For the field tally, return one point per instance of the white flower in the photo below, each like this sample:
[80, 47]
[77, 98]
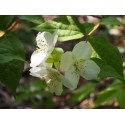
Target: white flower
[53, 78]
[77, 63]
[45, 43]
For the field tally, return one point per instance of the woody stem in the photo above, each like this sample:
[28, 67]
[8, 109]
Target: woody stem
[92, 31]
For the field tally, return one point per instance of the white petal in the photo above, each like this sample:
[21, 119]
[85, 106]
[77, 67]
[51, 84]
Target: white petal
[45, 40]
[33, 72]
[55, 87]
[44, 36]
[57, 77]
[46, 46]
[54, 82]
[39, 36]
[66, 82]
[38, 72]
[53, 74]
[55, 37]
[49, 39]
[72, 75]
[38, 57]
[90, 70]
[82, 51]
[66, 61]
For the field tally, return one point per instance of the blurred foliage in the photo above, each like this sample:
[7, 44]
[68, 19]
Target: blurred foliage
[113, 91]
[82, 92]
[37, 19]
[19, 31]
[35, 92]
[110, 21]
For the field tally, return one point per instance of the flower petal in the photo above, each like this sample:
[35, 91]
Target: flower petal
[55, 37]
[39, 37]
[82, 51]
[55, 87]
[49, 39]
[66, 61]
[46, 45]
[45, 41]
[72, 75]
[66, 82]
[38, 72]
[38, 57]
[90, 70]
[59, 77]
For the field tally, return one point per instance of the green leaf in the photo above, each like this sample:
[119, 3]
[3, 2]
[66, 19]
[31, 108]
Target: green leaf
[67, 29]
[104, 97]
[115, 86]
[108, 53]
[106, 70]
[56, 57]
[49, 60]
[85, 28]
[110, 21]
[37, 19]
[56, 64]
[6, 21]
[11, 61]
[57, 53]
[81, 93]
[121, 98]
[109, 93]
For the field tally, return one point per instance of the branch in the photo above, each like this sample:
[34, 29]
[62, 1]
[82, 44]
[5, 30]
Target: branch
[92, 31]
[2, 33]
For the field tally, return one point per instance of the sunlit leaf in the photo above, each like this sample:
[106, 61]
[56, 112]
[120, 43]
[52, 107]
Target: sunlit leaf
[65, 27]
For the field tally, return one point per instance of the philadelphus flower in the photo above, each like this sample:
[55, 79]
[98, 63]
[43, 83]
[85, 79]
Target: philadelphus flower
[45, 43]
[53, 78]
[77, 63]
[41, 69]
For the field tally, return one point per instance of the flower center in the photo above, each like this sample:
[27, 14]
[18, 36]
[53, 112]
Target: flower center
[42, 46]
[78, 64]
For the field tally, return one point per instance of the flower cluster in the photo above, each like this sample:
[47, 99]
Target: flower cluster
[40, 68]
[74, 64]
